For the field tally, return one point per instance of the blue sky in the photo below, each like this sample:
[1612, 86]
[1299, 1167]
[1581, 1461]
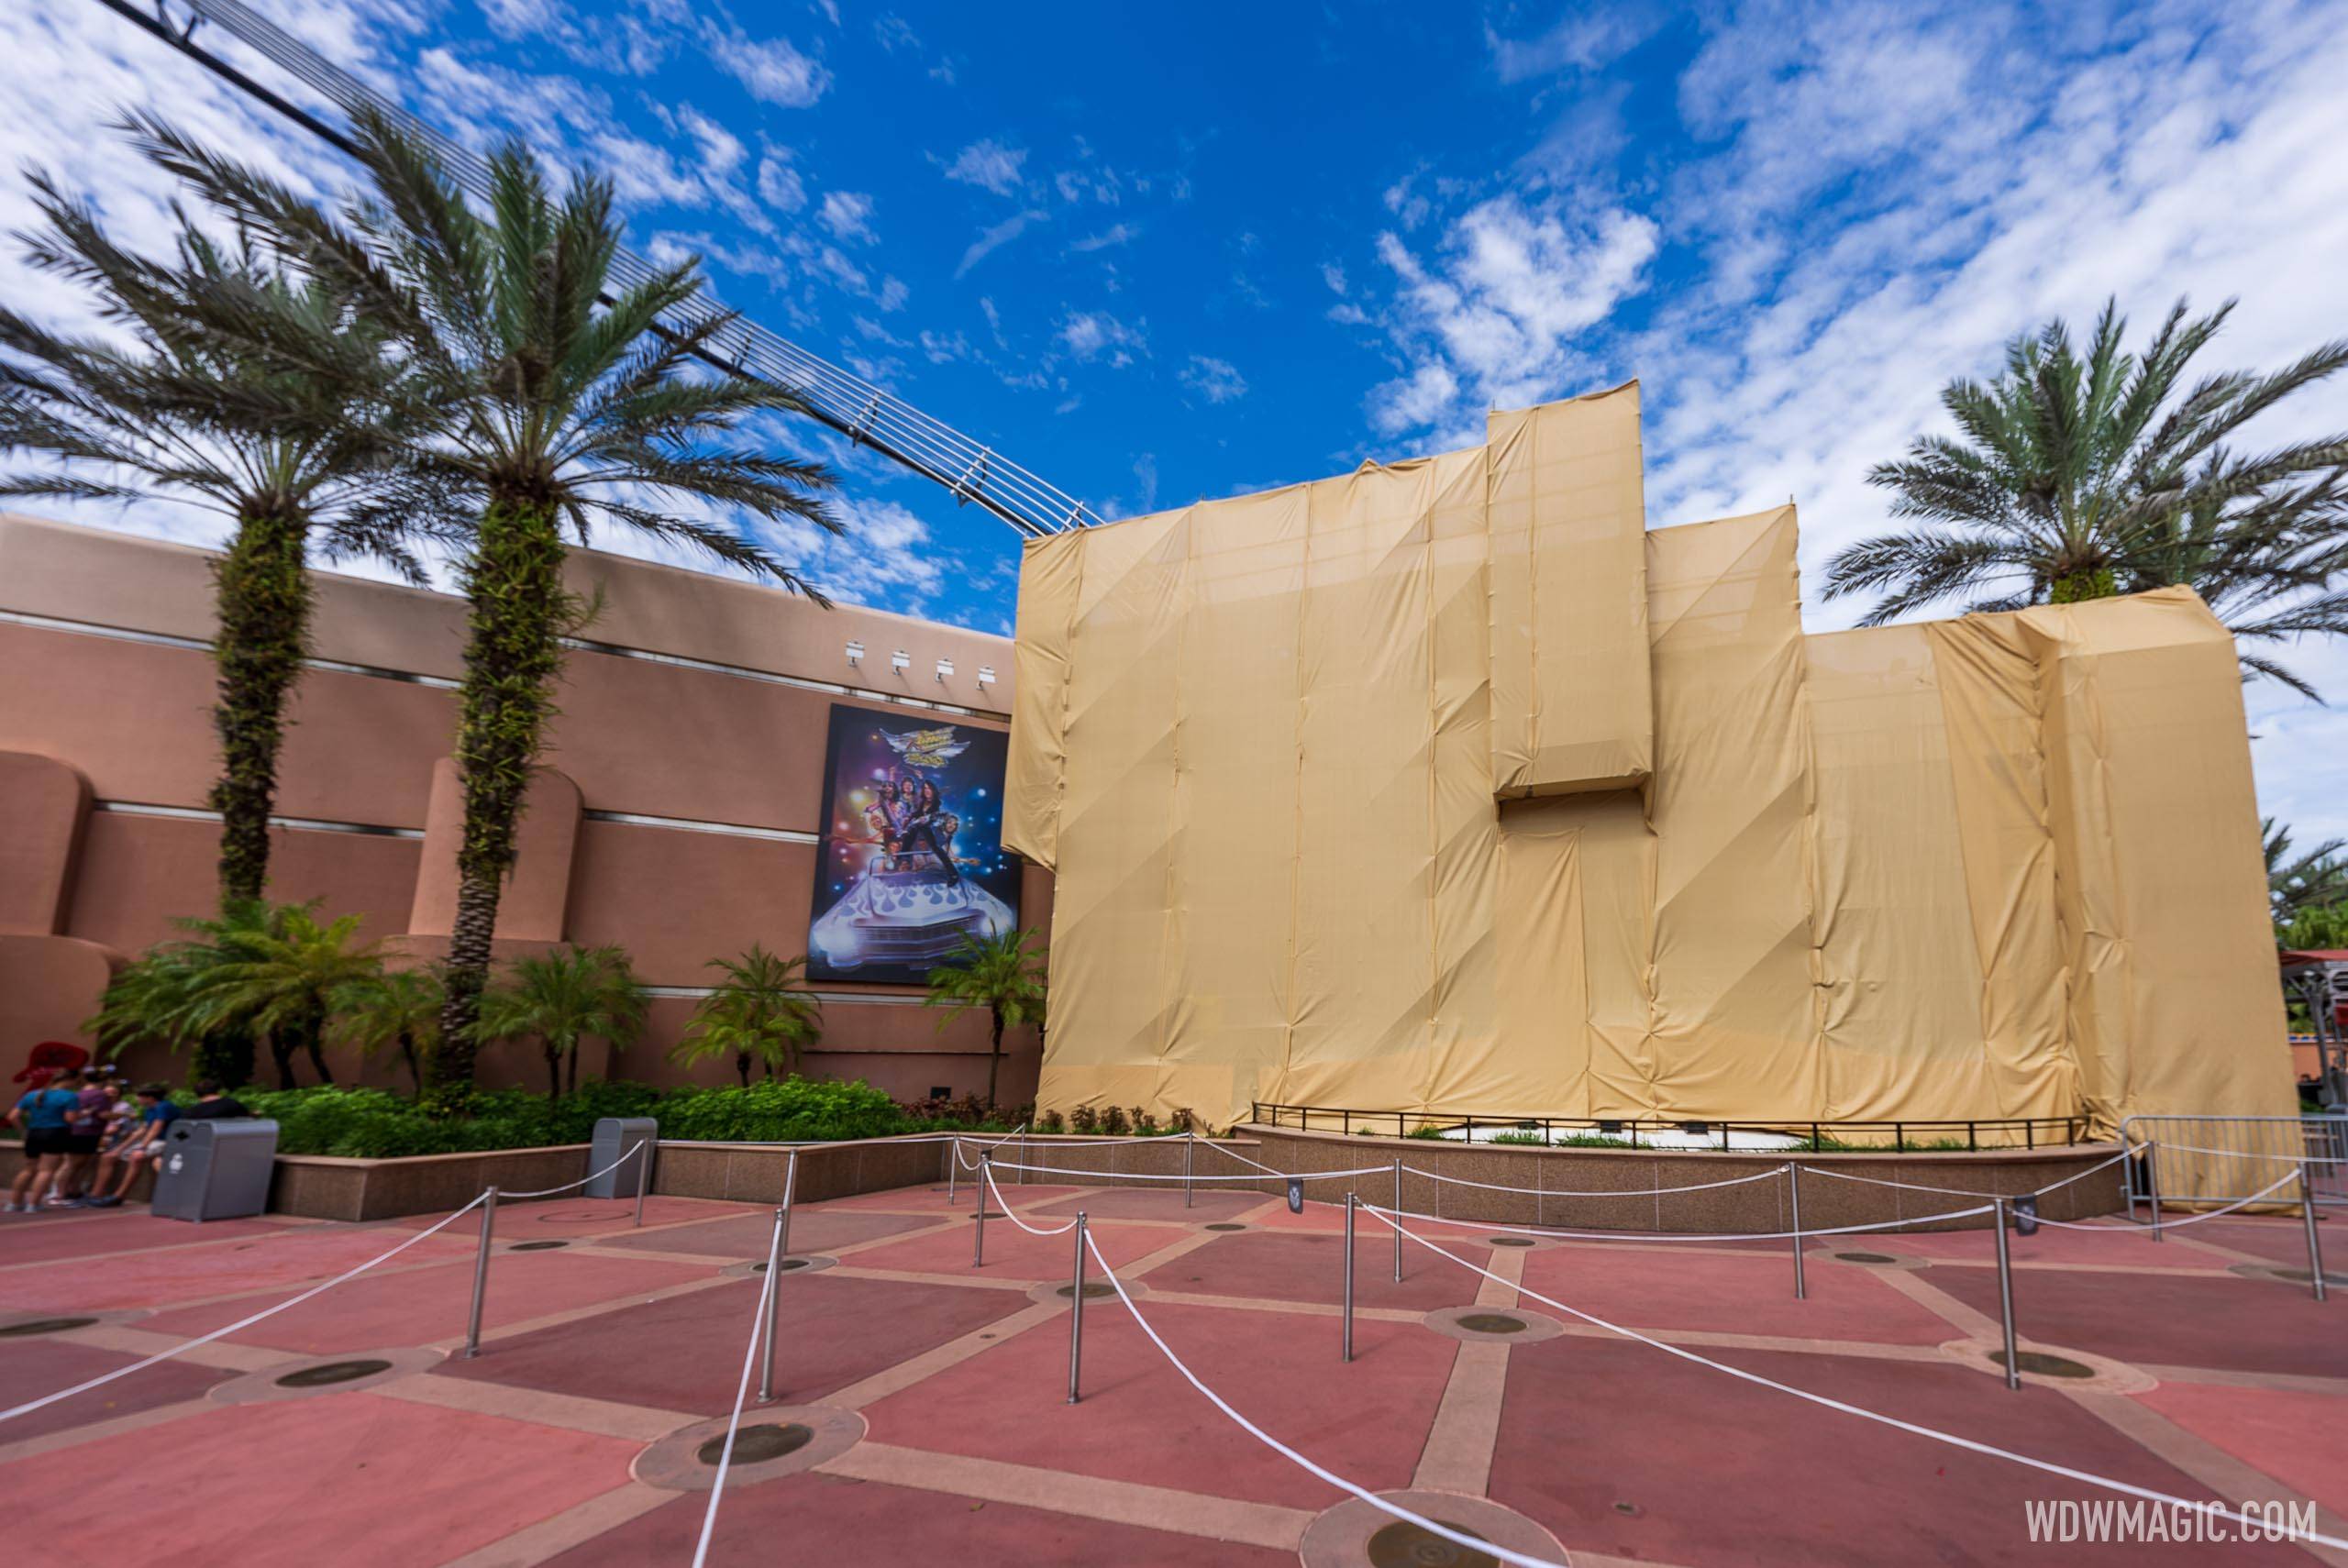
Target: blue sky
[1164, 252]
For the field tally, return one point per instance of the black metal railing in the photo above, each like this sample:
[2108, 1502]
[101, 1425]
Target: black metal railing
[1901, 1135]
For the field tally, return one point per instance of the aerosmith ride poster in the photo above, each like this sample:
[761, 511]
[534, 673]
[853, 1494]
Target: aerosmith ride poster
[912, 860]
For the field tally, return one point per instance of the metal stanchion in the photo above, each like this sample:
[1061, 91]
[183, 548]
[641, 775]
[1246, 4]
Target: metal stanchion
[2315, 1247]
[480, 1274]
[1793, 1190]
[979, 1220]
[2006, 1295]
[643, 1177]
[1190, 1142]
[780, 1251]
[1076, 1315]
[2153, 1183]
[1398, 1214]
[1353, 1203]
[1023, 1163]
[953, 1168]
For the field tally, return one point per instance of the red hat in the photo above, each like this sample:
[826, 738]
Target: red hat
[50, 1057]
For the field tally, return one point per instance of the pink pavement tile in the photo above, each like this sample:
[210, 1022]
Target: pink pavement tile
[816, 1229]
[411, 1308]
[1139, 1420]
[1620, 1449]
[2167, 1319]
[283, 1257]
[2119, 1247]
[829, 1518]
[685, 1353]
[1011, 1252]
[1732, 1293]
[932, 1199]
[32, 1368]
[580, 1218]
[120, 1230]
[2279, 1241]
[1303, 1266]
[2300, 1439]
[357, 1480]
[1164, 1202]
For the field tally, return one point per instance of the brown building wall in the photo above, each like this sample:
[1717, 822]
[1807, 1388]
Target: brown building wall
[94, 631]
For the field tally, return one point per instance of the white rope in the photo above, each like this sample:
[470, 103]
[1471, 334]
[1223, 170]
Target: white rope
[548, 1192]
[749, 1357]
[1671, 1236]
[1962, 1191]
[1771, 1174]
[987, 1175]
[2238, 1153]
[2172, 1224]
[31, 1405]
[1137, 1176]
[1458, 1538]
[1935, 1434]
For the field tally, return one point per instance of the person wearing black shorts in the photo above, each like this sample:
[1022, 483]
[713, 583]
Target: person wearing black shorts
[47, 1114]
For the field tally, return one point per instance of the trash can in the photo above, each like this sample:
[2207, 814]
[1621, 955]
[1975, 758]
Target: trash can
[215, 1170]
[615, 1135]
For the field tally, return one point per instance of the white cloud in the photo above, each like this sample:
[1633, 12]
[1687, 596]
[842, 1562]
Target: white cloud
[994, 238]
[1114, 234]
[1097, 334]
[774, 70]
[848, 214]
[1217, 380]
[779, 183]
[1335, 276]
[989, 165]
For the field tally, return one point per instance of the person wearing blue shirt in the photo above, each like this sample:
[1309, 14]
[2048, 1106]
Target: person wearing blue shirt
[47, 1116]
[155, 1118]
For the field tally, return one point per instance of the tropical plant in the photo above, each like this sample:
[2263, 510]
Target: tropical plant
[758, 1012]
[2076, 476]
[558, 395]
[175, 401]
[2311, 879]
[570, 995]
[998, 974]
[271, 971]
[397, 1010]
[2321, 927]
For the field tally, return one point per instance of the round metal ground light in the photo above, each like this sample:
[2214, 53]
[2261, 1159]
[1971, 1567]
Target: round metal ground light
[809, 1263]
[1357, 1534]
[2286, 1273]
[26, 1327]
[1226, 1225]
[1493, 1325]
[322, 1377]
[1512, 1241]
[2053, 1366]
[2044, 1364]
[536, 1246]
[774, 1442]
[1056, 1293]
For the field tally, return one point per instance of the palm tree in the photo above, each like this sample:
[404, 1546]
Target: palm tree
[999, 974]
[2074, 477]
[557, 396]
[153, 998]
[397, 1010]
[569, 996]
[270, 970]
[2311, 879]
[177, 404]
[759, 1012]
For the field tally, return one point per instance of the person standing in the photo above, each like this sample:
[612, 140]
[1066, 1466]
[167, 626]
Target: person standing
[45, 1113]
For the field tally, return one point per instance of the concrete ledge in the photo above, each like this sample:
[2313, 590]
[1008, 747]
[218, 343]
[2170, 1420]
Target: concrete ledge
[1564, 1180]
[319, 1187]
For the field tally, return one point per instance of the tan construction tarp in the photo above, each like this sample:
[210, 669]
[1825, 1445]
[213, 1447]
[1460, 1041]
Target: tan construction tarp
[1328, 830]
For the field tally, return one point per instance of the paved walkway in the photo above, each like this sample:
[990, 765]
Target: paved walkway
[921, 1412]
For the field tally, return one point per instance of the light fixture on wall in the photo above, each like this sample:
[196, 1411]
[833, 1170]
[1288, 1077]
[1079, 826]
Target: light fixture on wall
[855, 653]
[945, 670]
[900, 660]
[986, 675]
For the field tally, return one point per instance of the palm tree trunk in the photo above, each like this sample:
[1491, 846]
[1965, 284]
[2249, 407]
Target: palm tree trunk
[994, 1060]
[280, 1051]
[742, 1065]
[262, 590]
[415, 1067]
[317, 1059]
[554, 1073]
[513, 654]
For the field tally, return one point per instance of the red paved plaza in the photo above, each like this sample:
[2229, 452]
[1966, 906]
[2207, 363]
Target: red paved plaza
[931, 1394]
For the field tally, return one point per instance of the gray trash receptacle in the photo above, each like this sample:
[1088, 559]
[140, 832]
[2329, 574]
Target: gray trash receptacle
[215, 1170]
[615, 1135]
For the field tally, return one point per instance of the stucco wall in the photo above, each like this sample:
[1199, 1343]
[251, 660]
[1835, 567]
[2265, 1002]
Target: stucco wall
[107, 705]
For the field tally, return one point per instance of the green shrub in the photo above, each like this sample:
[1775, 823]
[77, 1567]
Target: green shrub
[780, 1110]
[1533, 1138]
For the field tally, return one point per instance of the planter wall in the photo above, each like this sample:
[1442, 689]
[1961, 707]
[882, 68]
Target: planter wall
[1628, 1189]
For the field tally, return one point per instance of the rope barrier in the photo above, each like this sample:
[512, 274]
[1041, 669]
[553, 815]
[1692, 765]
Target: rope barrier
[2172, 1224]
[741, 1395]
[1963, 1191]
[1458, 1537]
[1769, 1174]
[986, 1175]
[1953, 1441]
[2167, 1148]
[1138, 1176]
[504, 1197]
[104, 1378]
[1805, 1232]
